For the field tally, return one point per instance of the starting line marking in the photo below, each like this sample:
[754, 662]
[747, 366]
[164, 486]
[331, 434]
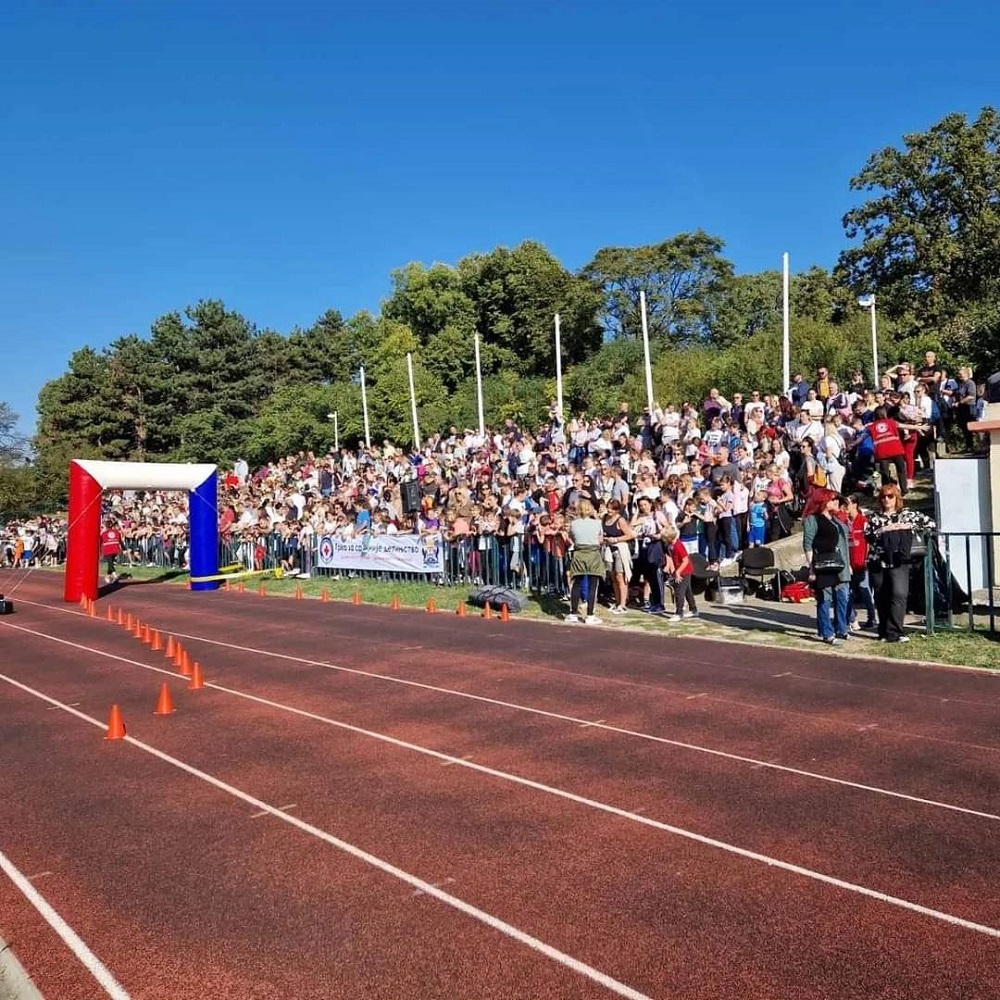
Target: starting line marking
[267, 812]
[69, 937]
[509, 930]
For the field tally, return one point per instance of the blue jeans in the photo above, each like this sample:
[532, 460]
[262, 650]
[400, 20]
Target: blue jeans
[839, 596]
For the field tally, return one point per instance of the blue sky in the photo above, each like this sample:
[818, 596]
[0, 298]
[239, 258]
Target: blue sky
[285, 157]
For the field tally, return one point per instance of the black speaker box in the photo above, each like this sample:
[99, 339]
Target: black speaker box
[410, 493]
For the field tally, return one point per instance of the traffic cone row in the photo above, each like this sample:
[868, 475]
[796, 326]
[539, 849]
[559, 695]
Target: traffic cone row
[394, 604]
[174, 652]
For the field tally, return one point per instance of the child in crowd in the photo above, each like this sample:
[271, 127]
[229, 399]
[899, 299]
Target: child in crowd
[757, 520]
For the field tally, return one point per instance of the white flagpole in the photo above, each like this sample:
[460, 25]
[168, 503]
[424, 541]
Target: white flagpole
[559, 387]
[479, 391]
[364, 408]
[336, 432]
[645, 349]
[875, 384]
[413, 402]
[786, 361]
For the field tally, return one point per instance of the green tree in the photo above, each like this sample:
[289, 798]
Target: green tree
[685, 280]
[516, 294]
[928, 238]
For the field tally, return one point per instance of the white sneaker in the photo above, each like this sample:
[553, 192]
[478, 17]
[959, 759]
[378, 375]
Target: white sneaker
[903, 638]
[727, 562]
[674, 618]
[571, 618]
[617, 611]
[690, 614]
[592, 620]
[855, 626]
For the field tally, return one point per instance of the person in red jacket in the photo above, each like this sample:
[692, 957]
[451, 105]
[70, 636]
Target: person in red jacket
[857, 548]
[111, 547]
[889, 450]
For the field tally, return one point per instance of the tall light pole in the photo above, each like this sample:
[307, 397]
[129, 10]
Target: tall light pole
[364, 408]
[336, 430]
[786, 347]
[645, 351]
[479, 390]
[559, 387]
[868, 302]
[413, 402]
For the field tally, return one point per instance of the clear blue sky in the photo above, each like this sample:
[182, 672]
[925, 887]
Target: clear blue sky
[286, 156]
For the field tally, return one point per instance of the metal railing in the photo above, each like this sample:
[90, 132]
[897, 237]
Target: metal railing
[512, 561]
[960, 581]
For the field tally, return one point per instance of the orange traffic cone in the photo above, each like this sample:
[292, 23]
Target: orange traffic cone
[164, 704]
[109, 615]
[460, 610]
[356, 597]
[184, 667]
[487, 611]
[178, 655]
[226, 587]
[197, 681]
[116, 724]
[84, 601]
[324, 597]
[157, 642]
[137, 630]
[298, 594]
[241, 589]
[130, 621]
[261, 590]
[147, 635]
[121, 617]
[171, 648]
[394, 603]
[431, 606]
[504, 613]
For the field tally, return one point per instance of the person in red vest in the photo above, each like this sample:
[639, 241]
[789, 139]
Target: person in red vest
[111, 547]
[857, 548]
[889, 450]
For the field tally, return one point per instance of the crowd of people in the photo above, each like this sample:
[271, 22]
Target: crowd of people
[705, 480]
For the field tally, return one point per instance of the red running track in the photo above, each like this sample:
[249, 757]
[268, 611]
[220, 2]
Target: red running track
[459, 751]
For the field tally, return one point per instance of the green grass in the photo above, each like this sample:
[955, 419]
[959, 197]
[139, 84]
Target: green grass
[956, 647]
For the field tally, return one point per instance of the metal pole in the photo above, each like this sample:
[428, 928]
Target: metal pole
[645, 349]
[875, 385]
[413, 403]
[479, 390]
[786, 347]
[559, 385]
[364, 408]
[336, 432]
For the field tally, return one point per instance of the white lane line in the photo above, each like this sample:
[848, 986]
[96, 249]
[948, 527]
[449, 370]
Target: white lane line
[618, 730]
[509, 930]
[538, 786]
[70, 938]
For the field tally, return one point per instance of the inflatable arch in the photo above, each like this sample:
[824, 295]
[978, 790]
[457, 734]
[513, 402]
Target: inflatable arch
[88, 481]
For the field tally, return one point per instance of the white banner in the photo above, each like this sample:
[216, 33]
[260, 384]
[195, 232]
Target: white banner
[382, 553]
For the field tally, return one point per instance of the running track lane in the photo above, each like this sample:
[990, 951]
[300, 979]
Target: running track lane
[931, 701]
[750, 927]
[944, 748]
[903, 847]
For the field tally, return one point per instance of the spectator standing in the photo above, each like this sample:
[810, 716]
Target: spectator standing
[965, 410]
[857, 545]
[585, 561]
[890, 535]
[824, 540]
[678, 568]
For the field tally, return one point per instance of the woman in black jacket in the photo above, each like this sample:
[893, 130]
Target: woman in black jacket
[891, 534]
